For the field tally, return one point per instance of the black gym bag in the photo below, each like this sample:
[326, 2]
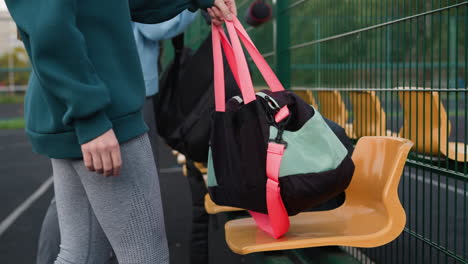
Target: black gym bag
[185, 100]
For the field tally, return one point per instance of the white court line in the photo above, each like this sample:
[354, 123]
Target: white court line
[436, 184]
[5, 224]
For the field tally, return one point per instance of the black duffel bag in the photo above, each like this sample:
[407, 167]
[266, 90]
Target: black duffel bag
[185, 100]
[271, 153]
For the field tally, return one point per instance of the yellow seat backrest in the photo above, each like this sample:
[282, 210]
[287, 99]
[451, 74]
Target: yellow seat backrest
[307, 96]
[424, 118]
[369, 117]
[379, 163]
[333, 107]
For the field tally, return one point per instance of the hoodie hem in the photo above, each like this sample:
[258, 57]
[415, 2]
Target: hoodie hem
[66, 146]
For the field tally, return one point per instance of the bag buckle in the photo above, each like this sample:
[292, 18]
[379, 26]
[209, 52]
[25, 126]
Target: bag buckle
[279, 141]
[272, 103]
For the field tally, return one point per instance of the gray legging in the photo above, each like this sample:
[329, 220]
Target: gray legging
[125, 212]
[49, 240]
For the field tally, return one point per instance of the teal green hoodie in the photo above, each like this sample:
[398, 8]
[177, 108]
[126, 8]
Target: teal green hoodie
[86, 75]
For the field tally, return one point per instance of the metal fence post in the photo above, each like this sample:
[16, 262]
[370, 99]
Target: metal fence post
[318, 50]
[283, 58]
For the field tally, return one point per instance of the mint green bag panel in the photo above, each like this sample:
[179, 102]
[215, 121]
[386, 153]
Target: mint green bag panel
[324, 150]
[212, 182]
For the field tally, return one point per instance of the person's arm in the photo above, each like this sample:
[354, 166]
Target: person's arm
[61, 63]
[168, 29]
[157, 11]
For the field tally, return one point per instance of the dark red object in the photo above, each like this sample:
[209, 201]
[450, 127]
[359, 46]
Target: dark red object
[258, 13]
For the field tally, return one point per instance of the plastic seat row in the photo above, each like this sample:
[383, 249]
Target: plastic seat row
[426, 122]
[371, 216]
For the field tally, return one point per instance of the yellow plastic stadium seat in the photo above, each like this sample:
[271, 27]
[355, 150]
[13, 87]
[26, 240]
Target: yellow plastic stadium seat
[181, 159]
[424, 131]
[371, 216]
[212, 208]
[369, 117]
[307, 96]
[201, 167]
[333, 108]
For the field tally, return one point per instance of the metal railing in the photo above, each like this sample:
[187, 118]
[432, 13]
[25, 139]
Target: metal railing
[387, 67]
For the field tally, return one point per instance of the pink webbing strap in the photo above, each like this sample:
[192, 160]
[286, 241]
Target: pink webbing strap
[218, 69]
[282, 114]
[266, 71]
[276, 222]
[232, 56]
[238, 64]
[246, 84]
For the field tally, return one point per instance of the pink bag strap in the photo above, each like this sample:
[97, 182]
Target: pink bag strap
[236, 59]
[238, 64]
[218, 70]
[230, 55]
[270, 77]
[246, 84]
[276, 222]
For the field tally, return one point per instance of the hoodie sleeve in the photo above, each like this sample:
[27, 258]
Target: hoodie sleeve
[168, 29]
[203, 4]
[60, 61]
[157, 11]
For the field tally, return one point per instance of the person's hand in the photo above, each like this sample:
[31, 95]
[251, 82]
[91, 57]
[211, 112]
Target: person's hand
[222, 10]
[102, 154]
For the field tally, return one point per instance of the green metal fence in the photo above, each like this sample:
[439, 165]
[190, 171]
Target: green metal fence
[387, 67]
